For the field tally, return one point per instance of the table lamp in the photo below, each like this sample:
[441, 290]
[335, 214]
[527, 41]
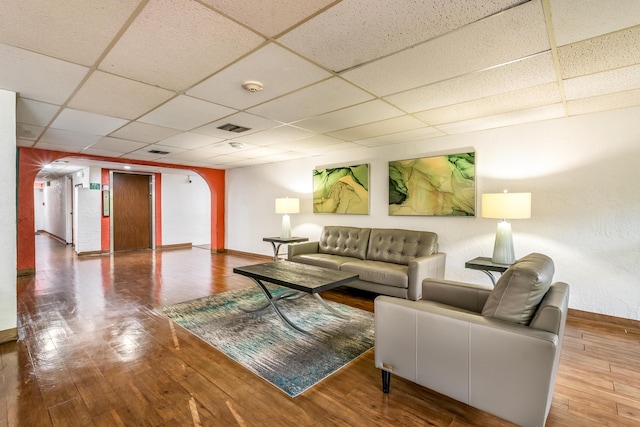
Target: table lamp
[287, 206]
[505, 206]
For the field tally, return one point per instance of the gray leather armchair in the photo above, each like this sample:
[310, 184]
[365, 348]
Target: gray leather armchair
[496, 349]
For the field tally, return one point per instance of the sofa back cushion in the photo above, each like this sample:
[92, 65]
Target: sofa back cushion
[344, 241]
[400, 246]
[520, 289]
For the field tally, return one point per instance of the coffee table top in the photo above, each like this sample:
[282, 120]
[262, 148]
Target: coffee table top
[301, 277]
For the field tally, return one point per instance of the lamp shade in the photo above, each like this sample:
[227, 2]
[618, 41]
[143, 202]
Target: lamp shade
[287, 205]
[506, 205]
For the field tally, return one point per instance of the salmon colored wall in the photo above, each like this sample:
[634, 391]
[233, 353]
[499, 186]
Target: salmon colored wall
[158, 209]
[105, 224]
[32, 160]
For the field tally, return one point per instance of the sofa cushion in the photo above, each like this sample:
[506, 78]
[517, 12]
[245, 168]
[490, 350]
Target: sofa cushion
[518, 292]
[383, 273]
[400, 246]
[344, 241]
[322, 260]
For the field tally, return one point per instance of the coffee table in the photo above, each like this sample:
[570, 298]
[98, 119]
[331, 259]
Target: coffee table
[302, 279]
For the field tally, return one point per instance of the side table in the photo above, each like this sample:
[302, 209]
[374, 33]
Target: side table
[276, 242]
[486, 265]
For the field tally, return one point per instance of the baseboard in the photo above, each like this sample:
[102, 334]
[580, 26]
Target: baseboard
[175, 246]
[605, 318]
[248, 254]
[58, 238]
[92, 253]
[8, 335]
[26, 272]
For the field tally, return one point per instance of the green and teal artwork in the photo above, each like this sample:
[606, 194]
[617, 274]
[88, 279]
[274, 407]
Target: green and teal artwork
[435, 186]
[341, 190]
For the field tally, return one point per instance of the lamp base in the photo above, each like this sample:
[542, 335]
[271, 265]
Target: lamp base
[285, 232]
[503, 252]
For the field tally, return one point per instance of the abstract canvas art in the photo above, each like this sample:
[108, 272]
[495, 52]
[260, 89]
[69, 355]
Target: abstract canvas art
[436, 186]
[341, 190]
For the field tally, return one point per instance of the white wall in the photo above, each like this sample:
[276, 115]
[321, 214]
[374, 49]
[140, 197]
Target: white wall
[38, 199]
[186, 210]
[583, 173]
[8, 271]
[55, 207]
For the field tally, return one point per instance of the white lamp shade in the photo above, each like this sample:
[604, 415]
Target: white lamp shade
[287, 205]
[506, 205]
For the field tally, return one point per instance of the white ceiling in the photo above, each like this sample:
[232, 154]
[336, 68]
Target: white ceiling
[120, 78]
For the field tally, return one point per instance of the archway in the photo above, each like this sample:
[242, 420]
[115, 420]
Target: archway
[32, 160]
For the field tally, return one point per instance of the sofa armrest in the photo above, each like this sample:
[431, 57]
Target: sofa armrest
[302, 248]
[466, 296]
[422, 268]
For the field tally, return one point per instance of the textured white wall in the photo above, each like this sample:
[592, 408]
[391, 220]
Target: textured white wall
[582, 173]
[8, 295]
[186, 210]
[87, 215]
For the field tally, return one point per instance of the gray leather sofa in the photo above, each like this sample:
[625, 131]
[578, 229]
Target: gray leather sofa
[496, 349]
[388, 261]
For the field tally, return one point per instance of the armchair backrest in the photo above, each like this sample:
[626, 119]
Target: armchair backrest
[520, 289]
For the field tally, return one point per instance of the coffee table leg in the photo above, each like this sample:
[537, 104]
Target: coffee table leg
[329, 308]
[272, 302]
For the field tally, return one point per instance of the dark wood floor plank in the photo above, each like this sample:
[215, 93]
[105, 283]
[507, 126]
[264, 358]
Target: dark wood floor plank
[92, 351]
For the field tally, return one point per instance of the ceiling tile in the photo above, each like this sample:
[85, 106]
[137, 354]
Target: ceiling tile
[357, 31]
[356, 115]
[508, 119]
[34, 112]
[383, 127]
[189, 140]
[23, 143]
[533, 71]
[272, 17]
[575, 20]
[38, 77]
[307, 145]
[279, 70]
[176, 43]
[84, 122]
[28, 132]
[511, 101]
[65, 137]
[69, 148]
[74, 30]
[604, 102]
[496, 40]
[600, 54]
[225, 148]
[117, 145]
[327, 96]
[144, 132]
[145, 154]
[603, 83]
[98, 152]
[401, 137]
[254, 123]
[118, 97]
[186, 113]
[275, 135]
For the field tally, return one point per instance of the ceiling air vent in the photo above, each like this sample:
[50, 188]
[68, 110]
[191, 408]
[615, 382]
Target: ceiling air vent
[158, 152]
[233, 128]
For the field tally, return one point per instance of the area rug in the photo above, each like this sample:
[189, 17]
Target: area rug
[263, 343]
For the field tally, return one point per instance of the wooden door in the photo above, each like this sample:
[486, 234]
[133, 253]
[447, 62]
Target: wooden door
[131, 211]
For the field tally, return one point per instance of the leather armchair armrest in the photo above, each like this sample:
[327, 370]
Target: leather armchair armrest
[302, 248]
[466, 296]
[420, 268]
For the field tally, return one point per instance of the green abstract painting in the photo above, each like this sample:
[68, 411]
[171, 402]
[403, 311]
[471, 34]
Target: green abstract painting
[437, 186]
[341, 190]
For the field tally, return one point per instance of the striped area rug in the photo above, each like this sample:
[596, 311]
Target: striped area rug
[263, 343]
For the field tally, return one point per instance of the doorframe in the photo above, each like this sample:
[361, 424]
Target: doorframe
[152, 210]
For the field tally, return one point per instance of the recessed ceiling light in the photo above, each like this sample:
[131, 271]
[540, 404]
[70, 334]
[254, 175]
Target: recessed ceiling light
[127, 167]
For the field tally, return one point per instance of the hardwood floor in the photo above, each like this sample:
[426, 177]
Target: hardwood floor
[93, 352]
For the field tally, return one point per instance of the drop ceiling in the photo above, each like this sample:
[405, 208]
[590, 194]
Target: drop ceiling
[124, 78]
